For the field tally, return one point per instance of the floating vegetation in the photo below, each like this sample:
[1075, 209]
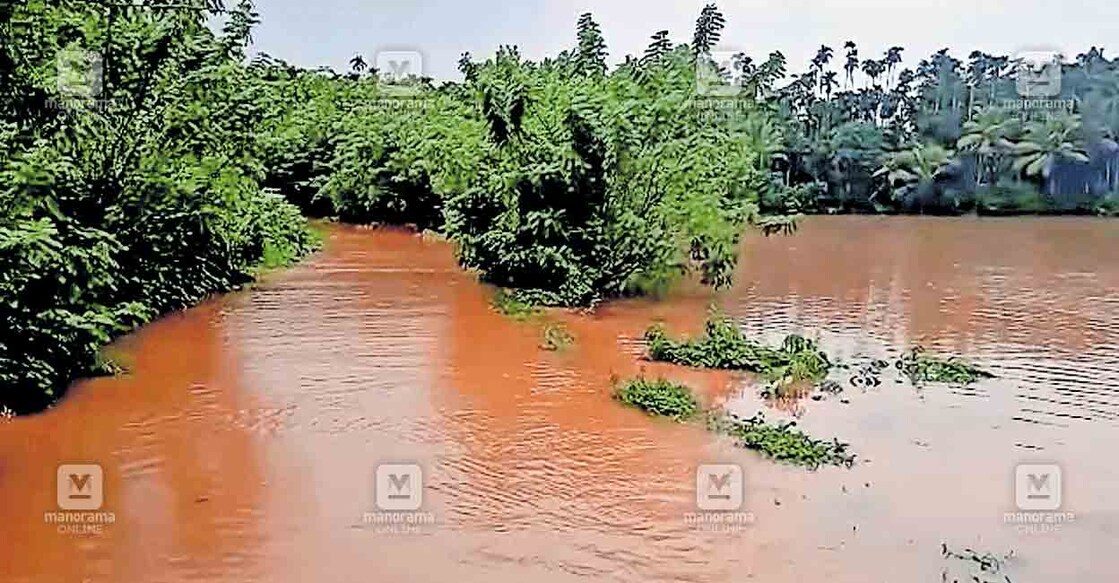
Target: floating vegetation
[984, 568]
[782, 442]
[869, 374]
[922, 368]
[724, 346]
[659, 397]
[510, 304]
[556, 337]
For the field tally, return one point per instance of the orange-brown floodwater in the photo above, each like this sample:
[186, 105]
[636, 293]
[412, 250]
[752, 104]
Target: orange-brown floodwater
[243, 444]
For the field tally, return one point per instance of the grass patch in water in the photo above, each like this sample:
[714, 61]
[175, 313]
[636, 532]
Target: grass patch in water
[724, 346]
[782, 442]
[922, 368]
[659, 397]
[556, 338]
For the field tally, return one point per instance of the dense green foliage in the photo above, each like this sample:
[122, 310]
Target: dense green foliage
[561, 180]
[948, 136]
[143, 161]
[659, 397]
[724, 346]
[124, 194]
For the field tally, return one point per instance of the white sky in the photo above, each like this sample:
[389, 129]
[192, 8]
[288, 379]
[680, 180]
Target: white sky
[329, 32]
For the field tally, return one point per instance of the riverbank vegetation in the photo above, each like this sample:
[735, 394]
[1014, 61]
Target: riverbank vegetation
[992, 134]
[125, 195]
[146, 162]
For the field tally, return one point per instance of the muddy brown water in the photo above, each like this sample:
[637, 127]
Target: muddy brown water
[243, 445]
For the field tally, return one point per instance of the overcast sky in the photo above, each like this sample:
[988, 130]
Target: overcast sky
[311, 33]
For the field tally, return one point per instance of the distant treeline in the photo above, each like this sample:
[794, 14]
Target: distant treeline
[995, 134]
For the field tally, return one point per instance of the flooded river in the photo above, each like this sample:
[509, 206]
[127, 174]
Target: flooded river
[244, 444]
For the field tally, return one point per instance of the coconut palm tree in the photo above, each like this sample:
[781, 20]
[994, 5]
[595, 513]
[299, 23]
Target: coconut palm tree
[986, 136]
[1046, 144]
[873, 69]
[911, 174]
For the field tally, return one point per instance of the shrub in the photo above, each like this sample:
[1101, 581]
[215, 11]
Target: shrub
[116, 212]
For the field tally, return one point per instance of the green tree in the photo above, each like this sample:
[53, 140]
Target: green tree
[591, 56]
[911, 174]
[1044, 145]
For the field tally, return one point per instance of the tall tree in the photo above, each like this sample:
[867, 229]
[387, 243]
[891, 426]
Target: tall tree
[852, 63]
[591, 57]
[659, 47]
[708, 30]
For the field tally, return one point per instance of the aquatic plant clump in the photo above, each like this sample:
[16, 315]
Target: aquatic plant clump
[659, 397]
[782, 442]
[983, 567]
[724, 346]
[922, 368]
[556, 338]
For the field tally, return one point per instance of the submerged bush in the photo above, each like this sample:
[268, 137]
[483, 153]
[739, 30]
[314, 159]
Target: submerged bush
[724, 346]
[659, 397]
[560, 179]
[922, 368]
[556, 337]
[782, 442]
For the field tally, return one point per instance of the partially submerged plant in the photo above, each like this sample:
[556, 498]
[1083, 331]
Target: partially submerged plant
[922, 368]
[782, 442]
[989, 565]
[512, 305]
[724, 346]
[659, 397]
[556, 337]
